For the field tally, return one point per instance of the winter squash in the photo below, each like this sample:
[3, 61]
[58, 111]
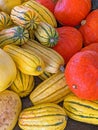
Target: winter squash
[70, 41]
[89, 28]
[71, 12]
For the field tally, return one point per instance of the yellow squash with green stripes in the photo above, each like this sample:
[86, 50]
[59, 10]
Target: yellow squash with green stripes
[26, 61]
[45, 75]
[54, 89]
[53, 60]
[23, 84]
[44, 14]
[46, 34]
[5, 21]
[16, 35]
[81, 110]
[48, 116]
[25, 17]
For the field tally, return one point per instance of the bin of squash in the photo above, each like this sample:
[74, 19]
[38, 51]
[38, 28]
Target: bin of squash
[41, 43]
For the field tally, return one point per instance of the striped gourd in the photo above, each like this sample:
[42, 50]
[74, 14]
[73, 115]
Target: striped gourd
[54, 89]
[26, 61]
[46, 34]
[44, 14]
[5, 21]
[25, 17]
[45, 75]
[48, 116]
[53, 60]
[23, 84]
[15, 35]
[81, 110]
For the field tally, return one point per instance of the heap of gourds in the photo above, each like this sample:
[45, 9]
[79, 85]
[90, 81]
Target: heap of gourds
[36, 41]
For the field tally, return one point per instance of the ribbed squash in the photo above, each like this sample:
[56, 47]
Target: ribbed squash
[5, 21]
[48, 116]
[25, 17]
[26, 61]
[53, 89]
[53, 60]
[81, 110]
[23, 84]
[45, 75]
[7, 70]
[44, 14]
[46, 34]
[15, 35]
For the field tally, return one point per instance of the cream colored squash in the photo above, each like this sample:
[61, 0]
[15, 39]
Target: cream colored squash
[7, 70]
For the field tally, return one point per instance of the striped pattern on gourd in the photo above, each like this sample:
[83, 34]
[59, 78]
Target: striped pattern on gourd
[25, 17]
[26, 61]
[81, 110]
[16, 35]
[53, 60]
[44, 14]
[48, 116]
[45, 75]
[46, 34]
[5, 21]
[23, 84]
[53, 89]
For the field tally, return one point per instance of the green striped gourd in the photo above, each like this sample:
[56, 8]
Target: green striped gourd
[44, 14]
[53, 89]
[5, 21]
[25, 17]
[23, 84]
[46, 34]
[53, 60]
[48, 116]
[81, 110]
[26, 61]
[45, 75]
[15, 35]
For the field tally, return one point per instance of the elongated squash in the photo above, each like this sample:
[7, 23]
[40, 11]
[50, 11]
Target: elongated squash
[7, 70]
[44, 14]
[16, 35]
[48, 116]
[46, 34]
[5, 21]
[26, 61]
[25, 17]
[81, 110]
[53, 89]
[23, 84]
[53, 60]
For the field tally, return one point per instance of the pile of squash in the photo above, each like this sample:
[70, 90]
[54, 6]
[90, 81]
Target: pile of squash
[37, 40]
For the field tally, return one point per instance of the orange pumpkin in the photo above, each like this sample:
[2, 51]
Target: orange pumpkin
[89, 28]
[69, 42]
[71, 12]
[81, 75]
